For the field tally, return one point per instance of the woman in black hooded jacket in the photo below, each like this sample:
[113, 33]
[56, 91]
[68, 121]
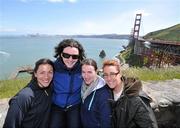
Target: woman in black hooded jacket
[30, 107]
[130, 106]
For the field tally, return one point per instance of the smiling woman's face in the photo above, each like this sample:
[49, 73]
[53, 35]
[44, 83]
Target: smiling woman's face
[44, 75]
[88, 73]
[112, 76]
[70, 61]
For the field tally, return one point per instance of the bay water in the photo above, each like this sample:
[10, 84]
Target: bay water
[25, 50]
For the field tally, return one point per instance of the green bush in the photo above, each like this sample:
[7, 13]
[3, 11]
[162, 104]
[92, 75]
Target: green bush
[146, 74]
[9, 88]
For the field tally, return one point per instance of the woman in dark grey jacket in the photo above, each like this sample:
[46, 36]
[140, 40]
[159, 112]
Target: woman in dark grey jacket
[30, 107]
[130, 107]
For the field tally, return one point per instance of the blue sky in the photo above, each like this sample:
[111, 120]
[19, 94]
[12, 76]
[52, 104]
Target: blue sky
[70, 17]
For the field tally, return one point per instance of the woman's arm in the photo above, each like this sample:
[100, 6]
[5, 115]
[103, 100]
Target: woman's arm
[144, 116]
[105, 110]
[14, 115]
[18, 106]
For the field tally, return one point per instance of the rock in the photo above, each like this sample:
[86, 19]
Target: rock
[102, 54]
[166, 101]
[3, 110]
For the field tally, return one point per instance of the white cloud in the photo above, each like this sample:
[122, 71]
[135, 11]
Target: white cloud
[23, 0]
[120, 24]
[143, 12]
[60, 1]
[89, 25]
[72, 1]
[54, 1]
[26, 1]
[7, 29]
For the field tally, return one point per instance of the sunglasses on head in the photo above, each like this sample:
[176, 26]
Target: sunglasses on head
[67, 56]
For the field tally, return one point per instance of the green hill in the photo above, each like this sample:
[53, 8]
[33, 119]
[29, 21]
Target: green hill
[168, 34]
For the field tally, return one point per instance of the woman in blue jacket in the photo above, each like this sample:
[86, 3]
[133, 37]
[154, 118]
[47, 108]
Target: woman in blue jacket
[95, 108]
[67, 85]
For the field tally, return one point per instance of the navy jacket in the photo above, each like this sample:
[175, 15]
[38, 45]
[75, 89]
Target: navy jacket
[96, 109]
[67, 84]
[29, 108]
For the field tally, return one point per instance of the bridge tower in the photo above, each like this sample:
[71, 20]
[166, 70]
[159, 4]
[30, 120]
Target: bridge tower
[135, 34]
[137, 24]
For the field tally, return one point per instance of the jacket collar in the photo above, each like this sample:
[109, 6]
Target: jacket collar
[34, 85]
[132, 86]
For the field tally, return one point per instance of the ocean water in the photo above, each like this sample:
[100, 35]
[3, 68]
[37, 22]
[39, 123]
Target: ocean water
[20, 51]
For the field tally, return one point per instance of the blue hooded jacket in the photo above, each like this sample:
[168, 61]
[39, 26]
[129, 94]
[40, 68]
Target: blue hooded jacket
[96, 109]
[67, 84]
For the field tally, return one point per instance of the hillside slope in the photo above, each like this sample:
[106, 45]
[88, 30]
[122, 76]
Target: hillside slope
[168, 34]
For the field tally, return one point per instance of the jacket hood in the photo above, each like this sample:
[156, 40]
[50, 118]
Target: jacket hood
[97, 84]
[132, 86]
[100, 84]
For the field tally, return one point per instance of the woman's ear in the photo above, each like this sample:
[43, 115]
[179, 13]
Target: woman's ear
[35, 75]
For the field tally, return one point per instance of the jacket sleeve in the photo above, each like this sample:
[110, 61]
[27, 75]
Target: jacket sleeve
[144, 116]
[105, 111]
[18, 106]
[14, 115]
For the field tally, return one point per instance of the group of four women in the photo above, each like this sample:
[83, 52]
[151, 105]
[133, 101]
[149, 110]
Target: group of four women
[68, 93]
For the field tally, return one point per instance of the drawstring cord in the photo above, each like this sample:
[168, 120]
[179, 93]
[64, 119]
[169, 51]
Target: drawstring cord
[90, 104]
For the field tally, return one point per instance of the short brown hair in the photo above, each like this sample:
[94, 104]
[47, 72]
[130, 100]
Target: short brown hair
[90, 62]
[112, 63]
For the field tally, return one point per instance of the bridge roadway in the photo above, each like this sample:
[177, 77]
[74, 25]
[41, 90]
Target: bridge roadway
[172, 47]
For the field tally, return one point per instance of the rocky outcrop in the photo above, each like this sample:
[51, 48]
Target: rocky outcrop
[3, 110]
[166, 101]
[102, 54]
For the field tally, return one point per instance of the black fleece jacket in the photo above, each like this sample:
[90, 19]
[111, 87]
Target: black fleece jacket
[29, 108]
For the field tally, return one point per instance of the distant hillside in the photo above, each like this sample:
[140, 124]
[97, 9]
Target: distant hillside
[107, 36]
[168, 34]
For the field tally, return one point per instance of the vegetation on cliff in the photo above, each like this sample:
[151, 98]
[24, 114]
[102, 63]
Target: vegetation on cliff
[9, 88]
[168, 34]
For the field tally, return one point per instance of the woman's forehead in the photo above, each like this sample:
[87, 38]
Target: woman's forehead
[71, 50]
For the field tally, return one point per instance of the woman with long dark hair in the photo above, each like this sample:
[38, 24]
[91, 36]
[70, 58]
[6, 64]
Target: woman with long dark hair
[67, 85]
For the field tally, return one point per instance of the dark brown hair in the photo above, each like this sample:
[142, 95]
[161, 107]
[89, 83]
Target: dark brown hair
[40, 62]
[69, 43]
[91, 62]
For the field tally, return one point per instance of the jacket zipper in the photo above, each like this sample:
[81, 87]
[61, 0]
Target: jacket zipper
[46, 92]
